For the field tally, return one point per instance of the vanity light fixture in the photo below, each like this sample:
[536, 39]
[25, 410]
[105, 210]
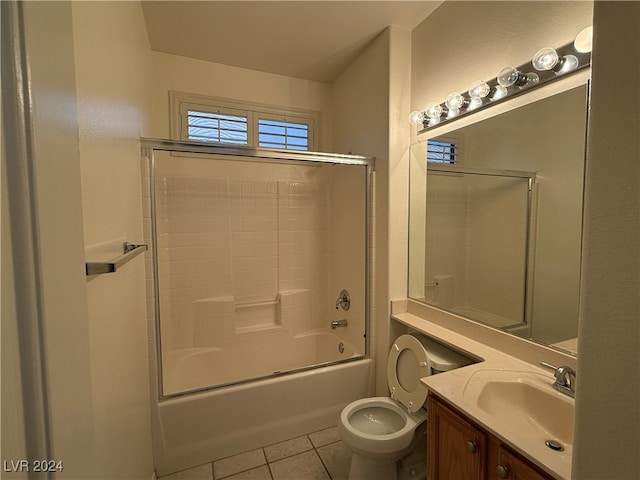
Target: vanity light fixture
[511, 81]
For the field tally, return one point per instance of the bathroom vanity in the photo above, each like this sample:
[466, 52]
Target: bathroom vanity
[499, 417]
[459, 448]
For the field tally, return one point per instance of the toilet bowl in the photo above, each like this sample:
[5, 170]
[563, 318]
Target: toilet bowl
[380, 431]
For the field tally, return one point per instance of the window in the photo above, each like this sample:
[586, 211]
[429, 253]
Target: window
[287, 135]
[210, 119]
[439, 151]
[216, 127]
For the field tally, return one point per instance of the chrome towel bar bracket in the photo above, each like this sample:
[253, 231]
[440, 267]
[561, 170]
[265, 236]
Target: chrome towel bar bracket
[130, 251]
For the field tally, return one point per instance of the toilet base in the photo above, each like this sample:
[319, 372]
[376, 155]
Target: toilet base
[363, 468]
[412, 467]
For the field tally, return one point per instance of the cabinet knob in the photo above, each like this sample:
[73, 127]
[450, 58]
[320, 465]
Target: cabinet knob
[471, 447]
[502, 471]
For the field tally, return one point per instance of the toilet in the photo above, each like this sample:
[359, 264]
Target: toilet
[381, 431]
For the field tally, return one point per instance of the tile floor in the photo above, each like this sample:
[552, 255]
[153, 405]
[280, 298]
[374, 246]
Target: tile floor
[316, 456]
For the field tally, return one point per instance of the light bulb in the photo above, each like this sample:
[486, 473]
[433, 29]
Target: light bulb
[545, 59]
[511, 76]
[479, 90]
[454, 101]
[434, 110]
[416, 118]
[508, 76]
[584, 40]
[569, 62]
[474, 103]
[499, 93]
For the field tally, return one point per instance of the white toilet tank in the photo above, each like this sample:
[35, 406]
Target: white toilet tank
[441, 358]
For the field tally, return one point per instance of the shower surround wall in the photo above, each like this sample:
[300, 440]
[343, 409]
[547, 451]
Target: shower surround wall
[222, 268]
[249, 254]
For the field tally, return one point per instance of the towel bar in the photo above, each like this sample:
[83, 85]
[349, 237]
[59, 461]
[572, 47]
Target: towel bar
[130, 250]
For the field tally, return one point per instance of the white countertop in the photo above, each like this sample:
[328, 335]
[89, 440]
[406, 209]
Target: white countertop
[450, 387]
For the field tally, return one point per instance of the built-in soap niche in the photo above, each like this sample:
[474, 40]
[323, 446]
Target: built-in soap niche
[223, 320]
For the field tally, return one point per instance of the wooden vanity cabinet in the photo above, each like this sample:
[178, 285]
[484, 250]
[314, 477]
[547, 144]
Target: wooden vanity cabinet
[458, 449]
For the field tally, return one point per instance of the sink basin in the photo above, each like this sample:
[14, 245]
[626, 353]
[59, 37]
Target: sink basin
[524, 402]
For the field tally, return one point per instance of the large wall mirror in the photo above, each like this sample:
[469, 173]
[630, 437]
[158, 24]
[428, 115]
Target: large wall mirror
[496, 219]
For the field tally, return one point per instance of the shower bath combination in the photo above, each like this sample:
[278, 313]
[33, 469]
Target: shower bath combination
[247, 246]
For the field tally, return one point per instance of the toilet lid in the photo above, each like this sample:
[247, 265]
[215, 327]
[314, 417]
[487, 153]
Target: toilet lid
[407, 364]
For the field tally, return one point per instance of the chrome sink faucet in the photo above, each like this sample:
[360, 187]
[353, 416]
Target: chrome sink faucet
[565, 379]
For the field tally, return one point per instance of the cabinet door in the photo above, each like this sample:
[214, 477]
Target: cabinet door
[456, 448]
[513, 467]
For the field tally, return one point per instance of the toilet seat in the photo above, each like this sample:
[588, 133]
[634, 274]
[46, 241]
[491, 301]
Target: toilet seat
[408, 362]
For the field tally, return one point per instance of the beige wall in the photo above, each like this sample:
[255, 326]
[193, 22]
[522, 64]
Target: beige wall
[370, 104]
[608, 391]
[182, 74]
[57, 221]
[86, 122]
[112, 77]
[58, 224]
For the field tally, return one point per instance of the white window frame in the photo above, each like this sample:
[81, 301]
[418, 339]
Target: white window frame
[180, 103]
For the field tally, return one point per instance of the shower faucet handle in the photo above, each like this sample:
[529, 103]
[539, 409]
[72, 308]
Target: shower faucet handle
[343, 300]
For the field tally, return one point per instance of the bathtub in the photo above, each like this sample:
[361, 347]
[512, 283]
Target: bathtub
[250, 357]
[201, 427]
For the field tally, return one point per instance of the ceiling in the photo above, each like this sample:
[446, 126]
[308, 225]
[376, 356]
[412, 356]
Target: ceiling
[314, 40]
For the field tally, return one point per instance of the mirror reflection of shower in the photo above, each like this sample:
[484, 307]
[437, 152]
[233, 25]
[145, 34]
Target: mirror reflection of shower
[474, 272]
[248, 254]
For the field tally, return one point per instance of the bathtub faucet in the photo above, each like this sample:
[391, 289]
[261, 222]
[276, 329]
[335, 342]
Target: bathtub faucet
[339, 323]
[343, 300]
